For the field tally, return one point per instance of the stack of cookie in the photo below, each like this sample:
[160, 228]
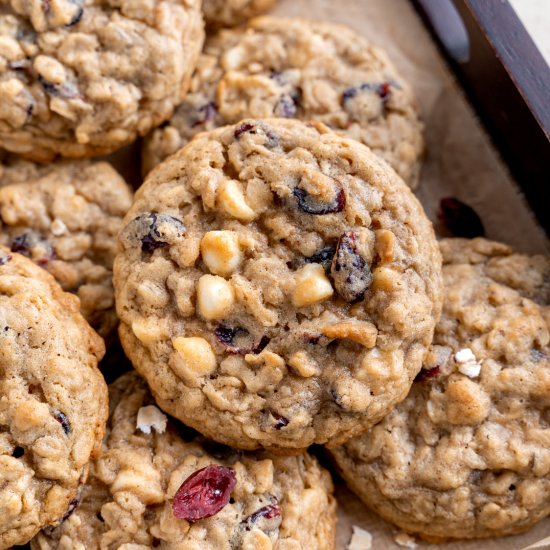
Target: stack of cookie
[275, 283]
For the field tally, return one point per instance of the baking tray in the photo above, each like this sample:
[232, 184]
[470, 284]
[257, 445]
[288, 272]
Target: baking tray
[506, 79]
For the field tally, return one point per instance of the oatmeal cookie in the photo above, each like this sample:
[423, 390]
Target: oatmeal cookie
[277, 285]
[53, 400]
[228, 13]
[65, 217]
[467, 454]
[86, 77]
[157, 485]
[293, 68]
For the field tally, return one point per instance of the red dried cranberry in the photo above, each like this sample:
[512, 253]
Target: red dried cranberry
[242, 129]
[153, 231]
[460, 219]
[323, 257]
[238, 340]
[207, 113]
[66, 90]
[204, 493]
[77, 17]
[280, 421]
[427, 374]
[271, 139]
[383, 90]
[73, 505]
[311, 206]
[267, 512]
[351, 273]
[26, 243]
[287, 106]
[63, 420]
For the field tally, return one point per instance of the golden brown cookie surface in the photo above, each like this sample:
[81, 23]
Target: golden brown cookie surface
[294, 68]
[53, 404]
[133, 492]
[277, 285]
[466, 454]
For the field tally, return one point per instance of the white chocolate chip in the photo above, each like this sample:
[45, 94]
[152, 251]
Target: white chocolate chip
[148, 331]
[233, 58]
[312, 286]
[470, 369]
[58, 228]
[467, 363]
[360, 539]
[220, 252]
[151, 417]
[197, 355]
[232, 201]
[465, 355]
[405, 540]
[215, 297]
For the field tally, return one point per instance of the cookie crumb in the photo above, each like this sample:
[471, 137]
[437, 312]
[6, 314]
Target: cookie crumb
[467, 363]
[405, 540]
[151, 417]
[360, 539]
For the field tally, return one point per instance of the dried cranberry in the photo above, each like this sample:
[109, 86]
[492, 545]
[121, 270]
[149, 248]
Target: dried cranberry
[207, 113]
[323, 257]
[280, 421]
[227, 335]
[351, 273]
[383, 90]
[427, 374]
[460, 219]
[153, 231]
[73, 505]
[243, 128]
[77, 17]
[287, 106]
[311, 206]
[30, 245]
[4, 259]
[267, 512]
[271, 139]
[63, 420]
[537, 356]
[65, 90]
[204, 493]
[238, 340]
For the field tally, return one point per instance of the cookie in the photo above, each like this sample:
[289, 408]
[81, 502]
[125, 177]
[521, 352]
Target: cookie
[53, 404]
[277, 285]
[293, 68]
[228, 13]
[157, 486]
[66, 217]
[467, 453]
[82, 78]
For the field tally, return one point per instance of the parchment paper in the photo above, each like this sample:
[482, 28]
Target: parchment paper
[460, 162]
